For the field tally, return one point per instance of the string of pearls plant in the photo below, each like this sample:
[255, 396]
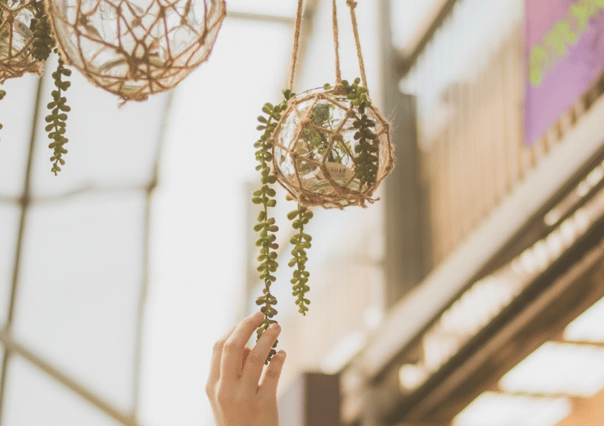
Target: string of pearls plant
[39, 36]
[366, 163]
[44, 43]
[266, 226]
[58, 116]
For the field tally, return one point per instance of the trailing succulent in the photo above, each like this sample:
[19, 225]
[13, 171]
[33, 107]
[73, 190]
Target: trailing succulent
[301, 241]
[365, 169]
[58, 116]
[366, 161]
[43, 45]
[266, 226]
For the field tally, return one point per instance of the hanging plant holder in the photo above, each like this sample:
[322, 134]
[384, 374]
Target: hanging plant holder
[330, 152]
[17, 39]
[331, 147]
[134, 48]
[327, 147]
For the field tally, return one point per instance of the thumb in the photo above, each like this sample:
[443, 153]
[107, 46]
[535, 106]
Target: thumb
[271, 376]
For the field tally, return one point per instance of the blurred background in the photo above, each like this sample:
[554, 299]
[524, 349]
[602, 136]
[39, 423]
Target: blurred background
[470, 295]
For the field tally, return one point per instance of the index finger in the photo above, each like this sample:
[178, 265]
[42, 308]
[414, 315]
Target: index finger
[233, 348]
[216, 356]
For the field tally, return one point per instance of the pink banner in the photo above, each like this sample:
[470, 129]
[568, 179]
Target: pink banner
[565, 56]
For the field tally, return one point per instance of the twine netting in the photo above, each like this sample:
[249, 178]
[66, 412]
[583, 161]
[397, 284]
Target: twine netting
[16, 39]
[314, 150]
[315, 143]
[134, 48]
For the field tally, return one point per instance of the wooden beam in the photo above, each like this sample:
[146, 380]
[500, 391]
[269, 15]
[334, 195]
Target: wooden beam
[287, 20]
[404, 209]
[579, 342]
[426, 30]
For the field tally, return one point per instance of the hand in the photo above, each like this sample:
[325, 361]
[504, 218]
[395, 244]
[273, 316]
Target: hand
[235, 395]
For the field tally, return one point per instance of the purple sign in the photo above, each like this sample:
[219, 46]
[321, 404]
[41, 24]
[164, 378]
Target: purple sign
[565, 56]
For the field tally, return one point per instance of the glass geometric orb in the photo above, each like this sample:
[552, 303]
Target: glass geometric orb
[314, 154]
[16, 39]
[134, 48]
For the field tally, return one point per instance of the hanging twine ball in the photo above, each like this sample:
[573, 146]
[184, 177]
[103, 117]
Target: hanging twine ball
[332, 148]
[17, 39]
[134, 48]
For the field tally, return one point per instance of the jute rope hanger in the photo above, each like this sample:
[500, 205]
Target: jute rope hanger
[352, 5]
[315, 178]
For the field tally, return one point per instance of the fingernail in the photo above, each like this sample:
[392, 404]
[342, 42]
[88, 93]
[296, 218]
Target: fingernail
[258, 315]
[274, 326]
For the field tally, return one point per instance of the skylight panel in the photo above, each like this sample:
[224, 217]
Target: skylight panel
[494, 409]
[80, 282]
[34, 398]
[589, 326]
[558, 368]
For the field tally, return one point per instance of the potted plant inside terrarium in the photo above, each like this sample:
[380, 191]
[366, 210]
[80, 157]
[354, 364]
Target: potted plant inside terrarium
[331, 147]
[17, 21]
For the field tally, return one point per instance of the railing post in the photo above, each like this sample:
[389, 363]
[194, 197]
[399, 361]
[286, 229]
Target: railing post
[406, 220]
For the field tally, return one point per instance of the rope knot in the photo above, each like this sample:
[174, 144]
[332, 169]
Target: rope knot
[351, 3]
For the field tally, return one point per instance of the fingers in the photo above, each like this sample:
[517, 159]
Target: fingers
[232, 352]
[216, 356]
[270, 380]
[253, 366]
[246, 352]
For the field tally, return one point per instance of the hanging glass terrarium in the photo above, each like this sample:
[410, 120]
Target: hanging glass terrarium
[134, 48]
[329, 152]
[331, 147]
[17, 39]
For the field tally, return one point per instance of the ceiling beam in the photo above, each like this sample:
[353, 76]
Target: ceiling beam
[425, 32]
[567, 288]
[287, 20]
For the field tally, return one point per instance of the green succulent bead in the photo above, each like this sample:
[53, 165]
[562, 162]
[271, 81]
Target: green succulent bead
[58, 116]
